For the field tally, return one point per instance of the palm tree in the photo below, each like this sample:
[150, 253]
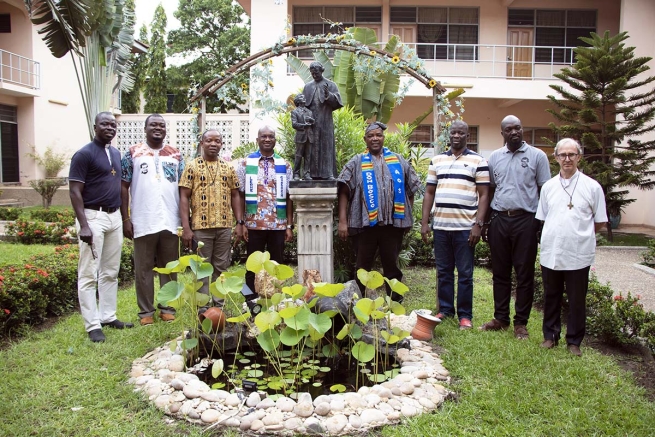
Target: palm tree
[99, 35]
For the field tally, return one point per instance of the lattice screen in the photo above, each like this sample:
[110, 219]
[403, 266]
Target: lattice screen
[129, 133]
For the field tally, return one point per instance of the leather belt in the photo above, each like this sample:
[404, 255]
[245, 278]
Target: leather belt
[512, 212]
[101, 208]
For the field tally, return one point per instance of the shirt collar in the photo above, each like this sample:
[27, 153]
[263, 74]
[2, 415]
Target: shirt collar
[100, 143]
[523, 148]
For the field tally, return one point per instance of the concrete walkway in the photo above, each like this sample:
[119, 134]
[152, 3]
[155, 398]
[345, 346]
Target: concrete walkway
[620, 266]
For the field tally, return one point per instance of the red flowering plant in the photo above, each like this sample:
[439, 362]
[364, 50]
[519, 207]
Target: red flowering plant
[45, 285]
[38, 232]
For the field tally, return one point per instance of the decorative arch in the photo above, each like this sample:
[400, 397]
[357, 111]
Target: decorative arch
[335, 42]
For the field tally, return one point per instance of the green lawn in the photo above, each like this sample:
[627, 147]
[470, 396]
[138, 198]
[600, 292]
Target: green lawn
[625, 239]
[57, 382]
[18, 253]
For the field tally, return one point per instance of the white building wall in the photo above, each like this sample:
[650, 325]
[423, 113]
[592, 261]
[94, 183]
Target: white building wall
[637, 18]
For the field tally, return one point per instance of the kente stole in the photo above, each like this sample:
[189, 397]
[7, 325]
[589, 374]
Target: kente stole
[252, 168]
[371, 186]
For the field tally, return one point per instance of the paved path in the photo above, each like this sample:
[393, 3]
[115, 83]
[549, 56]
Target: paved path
[616, 266]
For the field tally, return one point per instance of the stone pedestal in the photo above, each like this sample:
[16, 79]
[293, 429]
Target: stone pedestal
[313, 202]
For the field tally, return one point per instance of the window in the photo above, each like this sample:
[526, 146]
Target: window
[309, 20]
[540, 137]
[422, 137]
[5, 23]
[441, 33]
[555, 28]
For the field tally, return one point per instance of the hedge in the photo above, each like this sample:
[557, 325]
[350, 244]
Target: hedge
[45, 286]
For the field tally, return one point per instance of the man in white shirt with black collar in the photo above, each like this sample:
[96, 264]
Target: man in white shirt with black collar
[572, 207]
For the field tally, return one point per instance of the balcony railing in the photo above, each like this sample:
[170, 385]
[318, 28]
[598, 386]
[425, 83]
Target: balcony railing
[19, 70]
[489, 61]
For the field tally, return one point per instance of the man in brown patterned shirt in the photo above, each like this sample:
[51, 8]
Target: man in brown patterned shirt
[209, 190]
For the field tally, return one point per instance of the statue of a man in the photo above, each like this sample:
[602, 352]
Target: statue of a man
[302, 121]
[323, 98]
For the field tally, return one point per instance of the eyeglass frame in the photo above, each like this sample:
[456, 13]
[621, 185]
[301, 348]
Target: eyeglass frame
[569, 156]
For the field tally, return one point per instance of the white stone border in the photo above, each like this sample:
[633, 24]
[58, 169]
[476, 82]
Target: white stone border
[416, 390]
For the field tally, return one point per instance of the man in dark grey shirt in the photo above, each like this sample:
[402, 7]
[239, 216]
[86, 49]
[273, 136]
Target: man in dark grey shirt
[517, 171]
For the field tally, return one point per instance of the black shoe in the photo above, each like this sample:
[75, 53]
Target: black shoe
[117, 324]
[97, 336]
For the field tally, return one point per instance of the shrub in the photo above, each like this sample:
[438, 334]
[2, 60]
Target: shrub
[10, 213]
[29, 293]
[45, 286]
[64, 217]
[38, 232]
[649, 256]
[126, 271]
[47, 189]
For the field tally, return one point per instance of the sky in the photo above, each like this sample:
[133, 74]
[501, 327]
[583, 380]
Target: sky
[145, 11]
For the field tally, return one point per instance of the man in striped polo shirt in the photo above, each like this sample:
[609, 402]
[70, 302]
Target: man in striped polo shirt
[457, 195]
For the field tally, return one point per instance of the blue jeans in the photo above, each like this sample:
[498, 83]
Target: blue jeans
[451, 249]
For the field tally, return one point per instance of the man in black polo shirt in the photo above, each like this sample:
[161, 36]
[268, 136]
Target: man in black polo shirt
[95, 191]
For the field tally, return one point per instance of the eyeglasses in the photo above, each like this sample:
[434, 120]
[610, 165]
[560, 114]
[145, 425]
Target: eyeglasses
[565, 156]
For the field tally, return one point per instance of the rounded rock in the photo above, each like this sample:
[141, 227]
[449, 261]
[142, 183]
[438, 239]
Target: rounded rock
[273, 419]
[372, 416]
[406, 389]
[322, 409]
[214, 395]
[253, 399]
[420, 374]
[394, 415]
[232, 422]
[265, 404]
[163, 401]
[210, 415]
[336, 424]
[303, 409]
[257, 425]
[409, 411]
[338, 404]
[427, 403]
[285, 404]
[293, 423]
[372, 399]
[355, 401]
[175, 407]
[232, 400]
[355, 421]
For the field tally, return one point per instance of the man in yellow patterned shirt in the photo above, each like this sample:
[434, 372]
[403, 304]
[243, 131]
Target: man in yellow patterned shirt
[209, 192]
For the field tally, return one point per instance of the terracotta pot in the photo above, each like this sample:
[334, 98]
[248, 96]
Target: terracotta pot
[425, 324]
[216, 315]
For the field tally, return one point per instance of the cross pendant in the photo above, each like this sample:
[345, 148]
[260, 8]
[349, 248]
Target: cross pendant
[570, 205]
[113, 172]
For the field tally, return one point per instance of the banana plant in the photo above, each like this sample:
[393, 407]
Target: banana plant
[99, 35]
[366, 82]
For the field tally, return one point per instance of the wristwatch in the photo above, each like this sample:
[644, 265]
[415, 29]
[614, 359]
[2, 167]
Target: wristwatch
[241, 222]
[290, 227]
[479, 223]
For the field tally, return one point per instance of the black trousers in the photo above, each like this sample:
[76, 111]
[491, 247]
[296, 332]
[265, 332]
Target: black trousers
[388, 241]
[271, 241]
[513, 243]
[575, 284]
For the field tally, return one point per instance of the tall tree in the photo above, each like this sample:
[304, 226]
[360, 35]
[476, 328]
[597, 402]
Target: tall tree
[213, 35]
[99, 35]
[609, 106]
[155, 89]
[131, 101]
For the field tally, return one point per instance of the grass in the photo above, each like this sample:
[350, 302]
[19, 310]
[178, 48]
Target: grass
[625, 239]
[17, 253]
[56, 382]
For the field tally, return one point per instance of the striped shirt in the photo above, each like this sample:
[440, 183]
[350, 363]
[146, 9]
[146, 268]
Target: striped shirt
[456, 196]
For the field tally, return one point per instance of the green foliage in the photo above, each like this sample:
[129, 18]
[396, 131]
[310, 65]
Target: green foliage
[29, 293]
[37, 232]
[9, 213]
[131, 101]
[368, 84]
[65, 217]
[155, 89]
[649, 255]
[214, 35]
[595, 107]
[244, 150]
[47, 189]
[51, 161]
[44, 286]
